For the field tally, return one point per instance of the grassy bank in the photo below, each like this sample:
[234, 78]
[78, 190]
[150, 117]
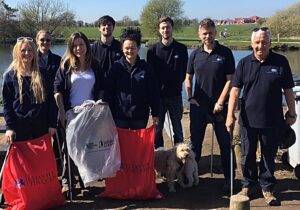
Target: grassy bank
[238, 36]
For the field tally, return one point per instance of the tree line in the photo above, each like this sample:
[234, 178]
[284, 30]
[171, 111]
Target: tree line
[54, 15]
[33, 15]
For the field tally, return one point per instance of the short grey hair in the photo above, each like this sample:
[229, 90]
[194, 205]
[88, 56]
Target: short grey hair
[254, 33]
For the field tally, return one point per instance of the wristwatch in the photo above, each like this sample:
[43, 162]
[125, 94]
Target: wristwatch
[190, 98]
[291, 116]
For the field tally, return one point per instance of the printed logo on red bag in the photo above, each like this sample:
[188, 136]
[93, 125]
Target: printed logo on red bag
[19, 183]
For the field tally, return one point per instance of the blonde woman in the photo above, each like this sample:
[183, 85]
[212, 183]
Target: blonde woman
[49, 62]
[28, 111]
[47, 59]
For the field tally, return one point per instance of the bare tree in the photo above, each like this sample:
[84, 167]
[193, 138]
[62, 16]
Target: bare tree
[126, 21]
[51, 15]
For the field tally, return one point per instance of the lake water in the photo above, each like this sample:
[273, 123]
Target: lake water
[292, 56]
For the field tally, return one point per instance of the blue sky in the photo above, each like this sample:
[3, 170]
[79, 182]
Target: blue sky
[91, 10]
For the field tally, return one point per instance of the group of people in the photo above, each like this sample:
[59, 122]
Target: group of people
[39, 87]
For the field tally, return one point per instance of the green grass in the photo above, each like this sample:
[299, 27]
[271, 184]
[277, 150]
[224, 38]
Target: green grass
[188, 32]
[238, 35]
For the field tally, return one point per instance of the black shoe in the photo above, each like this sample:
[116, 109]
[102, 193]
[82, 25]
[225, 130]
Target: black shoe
[226, 188]
[67, 192]
[88, 192]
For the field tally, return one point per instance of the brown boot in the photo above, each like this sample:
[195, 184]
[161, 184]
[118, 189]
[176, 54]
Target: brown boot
[244, 191]
[271, 199]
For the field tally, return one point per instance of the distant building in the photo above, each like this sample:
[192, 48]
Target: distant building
[252, 19]
[224, 22]
[237, 21]
[255, 18]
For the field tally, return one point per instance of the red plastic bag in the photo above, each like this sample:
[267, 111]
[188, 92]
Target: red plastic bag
[30, 176]
[136, 179]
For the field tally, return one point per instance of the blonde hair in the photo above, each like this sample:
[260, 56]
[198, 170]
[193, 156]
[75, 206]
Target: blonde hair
[70, 59]
[39, 33]
[37, 86]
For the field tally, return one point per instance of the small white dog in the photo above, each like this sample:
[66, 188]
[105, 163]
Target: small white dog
[177, 162]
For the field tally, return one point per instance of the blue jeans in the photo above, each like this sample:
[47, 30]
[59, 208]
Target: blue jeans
[268, 142]
[199, 118]
[174, 107]
[131, 124]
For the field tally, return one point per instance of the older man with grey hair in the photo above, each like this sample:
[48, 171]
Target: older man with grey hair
[262, 75]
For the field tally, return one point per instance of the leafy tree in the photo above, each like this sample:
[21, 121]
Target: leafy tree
[285, 23]
[156, 9]
[50, 15]
[79, 23]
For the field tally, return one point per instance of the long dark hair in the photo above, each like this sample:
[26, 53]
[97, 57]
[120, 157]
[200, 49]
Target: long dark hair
[70, 58]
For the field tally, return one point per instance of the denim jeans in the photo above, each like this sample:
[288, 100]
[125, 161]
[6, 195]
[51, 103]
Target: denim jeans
[174, 107]
[131, 124]
[199, 118]
[268, 142]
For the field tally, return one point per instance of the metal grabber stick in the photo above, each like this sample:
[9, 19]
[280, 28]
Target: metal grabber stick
[59, 148]
[231, 162]
[212, 148]
[1, 173]
[170, 129]
[70, 180]
[68, 162]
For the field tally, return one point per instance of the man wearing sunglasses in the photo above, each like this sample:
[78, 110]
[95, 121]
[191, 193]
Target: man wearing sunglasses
[263, 75]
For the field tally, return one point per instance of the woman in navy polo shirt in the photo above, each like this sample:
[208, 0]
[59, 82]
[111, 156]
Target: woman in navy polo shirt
[47, 60]
[131, 88]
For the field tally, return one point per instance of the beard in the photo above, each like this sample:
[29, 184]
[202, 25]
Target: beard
[107, 34]
[168, 36]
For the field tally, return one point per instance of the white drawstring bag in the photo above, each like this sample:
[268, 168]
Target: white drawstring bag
[92, 141]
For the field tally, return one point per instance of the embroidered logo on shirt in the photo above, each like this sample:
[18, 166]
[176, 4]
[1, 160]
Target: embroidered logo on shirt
[274, 71]
[218, 60]
[118, 55]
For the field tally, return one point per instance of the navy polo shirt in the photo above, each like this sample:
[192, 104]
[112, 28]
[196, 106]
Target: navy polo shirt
[210, 71]
[106, 54]
[262, 85]
[169, 64]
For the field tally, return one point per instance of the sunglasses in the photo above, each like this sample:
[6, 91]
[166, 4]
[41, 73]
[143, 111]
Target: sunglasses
[45, 40]
[260, 29]
[22, 38]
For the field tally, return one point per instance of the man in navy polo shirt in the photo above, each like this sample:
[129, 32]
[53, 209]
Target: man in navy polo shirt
[213, 66]
[262, 75]
[169, 60]
[107, 49]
